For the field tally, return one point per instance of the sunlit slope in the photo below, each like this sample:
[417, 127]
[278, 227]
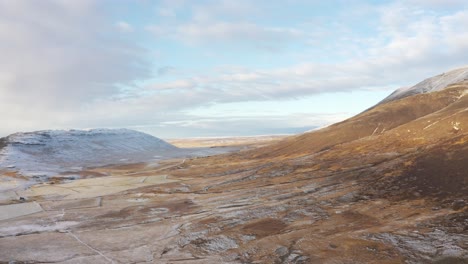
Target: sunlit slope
[440, 106]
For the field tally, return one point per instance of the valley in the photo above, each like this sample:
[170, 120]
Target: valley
[386, 186]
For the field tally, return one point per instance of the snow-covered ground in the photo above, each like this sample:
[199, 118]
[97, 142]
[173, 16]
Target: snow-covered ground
[48, 152]
[432, 84]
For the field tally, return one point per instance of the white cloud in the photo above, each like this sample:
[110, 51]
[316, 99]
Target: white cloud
[56, 53]
[166, 12]
[409, 46]
[232, 23]
[193, 126]
[63, 67]
[438, 3]
[56, 57]
[227, 33]
[124, 27]
[227, 9]
[176, 85]
[166, 70]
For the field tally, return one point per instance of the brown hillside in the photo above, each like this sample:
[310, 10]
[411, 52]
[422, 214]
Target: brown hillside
[375, 121]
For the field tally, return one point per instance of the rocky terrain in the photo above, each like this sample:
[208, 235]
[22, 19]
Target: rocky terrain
[386, 186]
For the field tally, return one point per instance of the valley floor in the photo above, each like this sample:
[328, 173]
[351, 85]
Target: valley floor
[227, 209]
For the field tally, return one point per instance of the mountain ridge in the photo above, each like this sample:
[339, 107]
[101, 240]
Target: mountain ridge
[56, 150]
[432, 84]
[375, 121]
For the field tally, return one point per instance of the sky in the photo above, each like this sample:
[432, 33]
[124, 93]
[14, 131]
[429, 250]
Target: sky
[202, 68]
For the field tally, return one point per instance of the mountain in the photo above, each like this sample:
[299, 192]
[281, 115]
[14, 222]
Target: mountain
[420, 137]
[386, 186]
[388, 116]
[432, 84]
[51, 151]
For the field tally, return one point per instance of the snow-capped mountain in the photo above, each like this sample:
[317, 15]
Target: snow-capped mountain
[432, 84]
[50, 151]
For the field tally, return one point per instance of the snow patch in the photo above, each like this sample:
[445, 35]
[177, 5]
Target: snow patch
[465, 92]
[35, 228]
[432, 84]
[44, 153]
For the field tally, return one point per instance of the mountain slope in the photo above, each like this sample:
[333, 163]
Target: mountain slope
[415, 145]
[432, 84]
[401, 107]
[375, 121]
[45, 152]
[387, 186]
[350, 193]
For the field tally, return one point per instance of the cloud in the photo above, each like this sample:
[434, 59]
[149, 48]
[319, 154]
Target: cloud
[56, 48]
[195, 126]
[58, 56]
[213, 10]
[166, 70]
[67, 63]
[124, 27]
[166, 12]
[428, 42]
[228, 33]
[408, 46]
[231, 23]
[439, 3]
